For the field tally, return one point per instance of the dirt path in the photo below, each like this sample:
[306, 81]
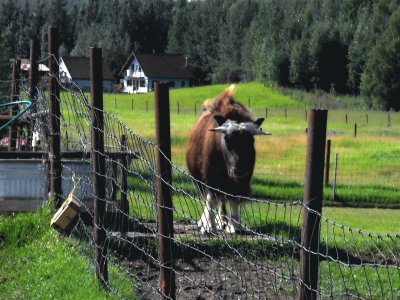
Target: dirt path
[222, 278]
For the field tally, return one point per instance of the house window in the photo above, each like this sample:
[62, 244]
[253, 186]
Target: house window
[138, 68]
[172, 83]
[129, 82]
[183, 83]
[142, 83]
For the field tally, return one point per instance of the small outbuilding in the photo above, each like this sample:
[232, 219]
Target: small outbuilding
[77, 70]
[141, 71]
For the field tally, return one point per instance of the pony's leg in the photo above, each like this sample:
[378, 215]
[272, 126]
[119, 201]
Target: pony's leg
[222, 217]
[234, 224]
[207, 220]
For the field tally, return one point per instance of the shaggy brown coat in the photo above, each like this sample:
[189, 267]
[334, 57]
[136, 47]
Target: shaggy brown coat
[204, 154]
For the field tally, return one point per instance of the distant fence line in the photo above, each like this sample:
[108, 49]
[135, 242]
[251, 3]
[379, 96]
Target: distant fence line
[146, 209]
[357, 123]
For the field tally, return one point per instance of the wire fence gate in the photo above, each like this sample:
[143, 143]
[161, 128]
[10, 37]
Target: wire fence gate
[138, 211]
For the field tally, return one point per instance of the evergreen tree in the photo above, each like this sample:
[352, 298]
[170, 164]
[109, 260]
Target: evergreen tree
[178, 33]
[5, 55]
[232, 36]
[381, 79]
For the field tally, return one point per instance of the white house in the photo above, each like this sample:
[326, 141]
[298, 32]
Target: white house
[77, 70]
[141, 71]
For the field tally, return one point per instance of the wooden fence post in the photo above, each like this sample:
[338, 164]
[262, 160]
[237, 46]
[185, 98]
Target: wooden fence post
[98, 162]
[164, 194]
[12, 133]
[313, 185]
[33, 82]
[33, 71]
[54, 119]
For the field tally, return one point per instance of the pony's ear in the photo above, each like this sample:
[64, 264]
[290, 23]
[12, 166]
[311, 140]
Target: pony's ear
[220, 119]
[259, 121]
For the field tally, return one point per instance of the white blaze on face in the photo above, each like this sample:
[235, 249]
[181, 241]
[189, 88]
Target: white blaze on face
[231, 126]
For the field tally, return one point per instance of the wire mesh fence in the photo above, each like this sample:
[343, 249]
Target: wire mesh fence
[259, 262]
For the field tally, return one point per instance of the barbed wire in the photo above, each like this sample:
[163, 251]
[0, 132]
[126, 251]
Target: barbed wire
[260, 262]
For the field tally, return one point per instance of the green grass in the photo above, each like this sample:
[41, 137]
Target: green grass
[38, 263]
[366, 163]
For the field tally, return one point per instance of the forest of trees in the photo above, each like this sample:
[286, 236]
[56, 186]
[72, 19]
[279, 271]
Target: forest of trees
[346, 46]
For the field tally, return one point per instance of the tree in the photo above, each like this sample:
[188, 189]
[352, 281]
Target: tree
[178, 33]
[358, 50]
[154, 20]
[300, 73]
[230, 67]
[5, 56]
[381, 79]
[328, 59]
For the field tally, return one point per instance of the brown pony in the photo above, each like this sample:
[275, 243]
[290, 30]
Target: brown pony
[221, 153]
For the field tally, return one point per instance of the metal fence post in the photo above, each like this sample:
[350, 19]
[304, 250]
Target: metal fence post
[313, 185]
[327, 161]
[335, 176]
[98, 161]
[164, 195]
[124, 203]
[54, 119]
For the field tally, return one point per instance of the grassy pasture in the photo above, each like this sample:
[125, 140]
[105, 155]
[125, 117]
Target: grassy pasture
[368, 165]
